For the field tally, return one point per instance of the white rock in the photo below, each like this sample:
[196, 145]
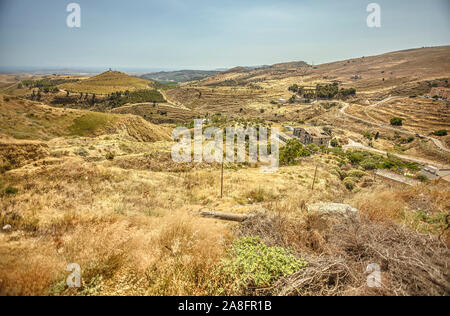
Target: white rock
[334, 212]
[7, 228]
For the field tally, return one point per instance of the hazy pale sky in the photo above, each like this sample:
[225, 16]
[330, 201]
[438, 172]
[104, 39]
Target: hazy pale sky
[209, 34]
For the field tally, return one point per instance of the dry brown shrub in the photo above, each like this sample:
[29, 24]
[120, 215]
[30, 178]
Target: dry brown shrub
[411, 263]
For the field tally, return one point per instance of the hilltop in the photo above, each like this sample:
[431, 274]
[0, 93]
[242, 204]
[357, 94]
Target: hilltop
[107, 82]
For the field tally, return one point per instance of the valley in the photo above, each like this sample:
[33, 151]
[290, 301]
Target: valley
[87, 177]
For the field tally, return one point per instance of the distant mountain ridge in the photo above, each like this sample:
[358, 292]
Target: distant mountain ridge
[180, 75]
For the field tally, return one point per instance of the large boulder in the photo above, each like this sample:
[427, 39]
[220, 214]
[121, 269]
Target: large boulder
[330, 214]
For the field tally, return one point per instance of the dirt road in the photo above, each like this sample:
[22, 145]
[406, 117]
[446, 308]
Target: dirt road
[434, 140]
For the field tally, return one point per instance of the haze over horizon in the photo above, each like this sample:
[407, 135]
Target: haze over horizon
[175, 34]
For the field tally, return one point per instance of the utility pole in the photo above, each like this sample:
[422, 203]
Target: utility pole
[221, 182]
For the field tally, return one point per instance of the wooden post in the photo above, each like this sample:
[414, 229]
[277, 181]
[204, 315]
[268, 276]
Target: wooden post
[221, 182]
[315, 174]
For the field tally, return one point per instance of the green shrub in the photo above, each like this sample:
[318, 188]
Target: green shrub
[396, 121]
[349, 183]
[442, 132]
[334, 143]
[422, 178]
[356, 173]
[342, 174]
[355, 157]
[369, 165]
[291, 152]
[314, 148]
[11, 190]
[110, 156]
[368, 135]
[255, 264]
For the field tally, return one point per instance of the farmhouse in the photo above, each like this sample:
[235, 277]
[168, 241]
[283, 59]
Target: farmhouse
[312, 135]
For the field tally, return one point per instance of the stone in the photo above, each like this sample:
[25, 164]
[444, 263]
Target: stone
[7, 228]
[334, 213]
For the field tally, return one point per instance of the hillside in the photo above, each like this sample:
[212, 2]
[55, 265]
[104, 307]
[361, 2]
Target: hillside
[23, 119]
[106, 83]
[246, 75]
[179, 76]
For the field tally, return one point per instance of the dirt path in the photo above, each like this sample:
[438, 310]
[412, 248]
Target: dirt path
[172, 103]
[434, 140]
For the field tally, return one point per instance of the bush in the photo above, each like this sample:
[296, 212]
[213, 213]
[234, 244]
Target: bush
[396, 121]
[293, 150]
[349, 183]
[257, 265]
[110, 156]
[369, 165]
[334, 143]
[313, 148]
[442, 132]
[356, 173]
[11, 190]
[422, 178]
[368, 135]
[355, 157]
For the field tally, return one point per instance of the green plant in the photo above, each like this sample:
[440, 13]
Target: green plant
[369, 165]
[11, 190]
[442, 132]
[255, 264]
[396, 121]
[356, 173]
[349, 183]
[110, 156]
[334, 143]
[422, 178]
[293, 150]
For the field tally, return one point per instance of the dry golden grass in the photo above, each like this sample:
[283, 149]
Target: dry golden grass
[107, 82]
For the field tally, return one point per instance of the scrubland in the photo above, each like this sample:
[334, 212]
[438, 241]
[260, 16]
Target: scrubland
[100, 188]
[133, 224]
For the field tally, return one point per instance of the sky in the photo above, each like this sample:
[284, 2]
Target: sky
[211, 34]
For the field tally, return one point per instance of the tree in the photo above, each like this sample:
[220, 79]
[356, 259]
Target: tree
[334, 143]
[396, 121]
[294, 88]
[442, 132]
[377, 135]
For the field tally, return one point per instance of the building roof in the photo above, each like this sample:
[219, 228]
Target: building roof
[316, 132]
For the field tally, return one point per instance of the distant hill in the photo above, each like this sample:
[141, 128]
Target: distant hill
[179, 76]
[245, 75]
[107, 82]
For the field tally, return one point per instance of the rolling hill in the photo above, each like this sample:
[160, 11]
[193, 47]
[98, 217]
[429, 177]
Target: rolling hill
[179, 76]
[28, 120]
[107, 82]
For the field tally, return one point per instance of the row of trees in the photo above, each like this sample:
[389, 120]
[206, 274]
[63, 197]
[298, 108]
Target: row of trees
[327, 91]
